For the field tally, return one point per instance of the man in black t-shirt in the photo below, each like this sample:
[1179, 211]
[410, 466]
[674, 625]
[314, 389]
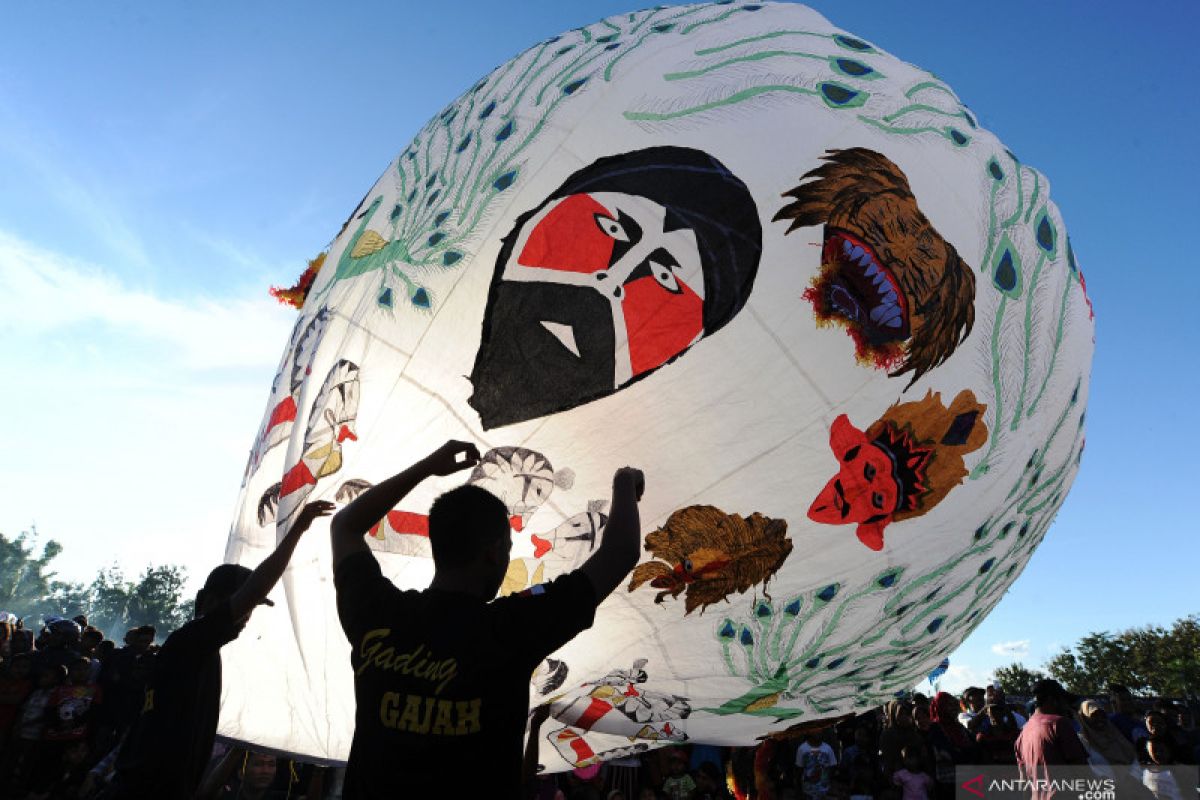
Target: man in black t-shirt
[441, 677]
[169, 745]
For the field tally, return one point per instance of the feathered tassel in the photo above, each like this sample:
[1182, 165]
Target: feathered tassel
[296, 295]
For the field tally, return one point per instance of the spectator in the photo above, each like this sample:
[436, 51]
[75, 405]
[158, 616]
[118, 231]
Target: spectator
[949, 743]
[710, 784]
[997, 736]
[914, 782]
[679, 785]
[995, 696]
[1157, 775]
[1048, 738]
[27, 749]
[860, 765]
[60, 644]
[972, 717]
[72, 705]
[815, 761]
[16, 682]
[1124, 713]
[899, 732]
[1104, 743]
[257, 775]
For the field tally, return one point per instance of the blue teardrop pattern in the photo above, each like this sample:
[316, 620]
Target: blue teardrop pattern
[852, 68]
[420, 298]
[1045, 234]
[850, 43]
[837, 95]
[504, 181]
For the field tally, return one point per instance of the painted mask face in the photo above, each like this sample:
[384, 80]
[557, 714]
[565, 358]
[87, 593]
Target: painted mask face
[865, 490]
[632, 261]
[624, 248]
[602, 289]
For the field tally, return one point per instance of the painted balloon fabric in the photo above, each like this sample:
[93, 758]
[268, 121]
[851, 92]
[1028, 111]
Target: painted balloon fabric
[836, 322]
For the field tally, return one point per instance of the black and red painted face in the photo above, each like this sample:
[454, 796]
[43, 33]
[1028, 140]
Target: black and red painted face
[623, 249]
[630, 263]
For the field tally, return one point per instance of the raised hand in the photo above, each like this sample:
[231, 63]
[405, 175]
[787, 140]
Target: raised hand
[630, 478]
[319, 508]
[452, 457]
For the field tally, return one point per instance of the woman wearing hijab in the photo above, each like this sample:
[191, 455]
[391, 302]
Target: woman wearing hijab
[898, 733]
[951, 742]
[1105, 744]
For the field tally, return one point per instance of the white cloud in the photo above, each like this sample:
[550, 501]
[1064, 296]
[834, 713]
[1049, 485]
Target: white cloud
[41, 292]
[1015, 649]
[130, 413]
[959, 677]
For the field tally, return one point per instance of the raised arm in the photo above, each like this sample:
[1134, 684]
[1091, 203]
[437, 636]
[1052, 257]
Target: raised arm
[352, 522]
[265, 575]
[621, 546]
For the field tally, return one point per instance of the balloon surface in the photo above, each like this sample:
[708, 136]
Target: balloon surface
[838, 325]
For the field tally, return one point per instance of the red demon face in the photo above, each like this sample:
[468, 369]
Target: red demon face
[865, 490]
[621, 247]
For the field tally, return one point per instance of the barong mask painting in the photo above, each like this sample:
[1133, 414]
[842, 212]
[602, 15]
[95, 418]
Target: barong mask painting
[840, 327]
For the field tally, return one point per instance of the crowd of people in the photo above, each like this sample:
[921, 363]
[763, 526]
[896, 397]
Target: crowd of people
[68, 697]
[81, 718]
[911, 748]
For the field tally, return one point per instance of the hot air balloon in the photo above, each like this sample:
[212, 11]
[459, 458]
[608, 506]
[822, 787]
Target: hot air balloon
[836, 322]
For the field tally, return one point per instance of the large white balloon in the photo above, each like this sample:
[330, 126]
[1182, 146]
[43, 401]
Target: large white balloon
[835, 321]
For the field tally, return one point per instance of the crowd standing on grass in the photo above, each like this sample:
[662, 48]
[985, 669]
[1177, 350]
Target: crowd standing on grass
[84, 719]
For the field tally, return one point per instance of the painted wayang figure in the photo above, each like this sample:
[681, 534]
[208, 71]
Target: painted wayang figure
[630, 262]
[901, 466]
[903, 292]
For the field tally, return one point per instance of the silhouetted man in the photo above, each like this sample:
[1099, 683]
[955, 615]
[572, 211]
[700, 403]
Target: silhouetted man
[442, 675]
[170, 744]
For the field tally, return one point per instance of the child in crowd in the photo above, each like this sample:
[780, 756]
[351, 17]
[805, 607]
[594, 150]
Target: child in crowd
[913, 782]
[860, 765]
[815, 761]
[31, 728]
[680, 785]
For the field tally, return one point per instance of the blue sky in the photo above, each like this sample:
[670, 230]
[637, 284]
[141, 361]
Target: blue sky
[162, 164]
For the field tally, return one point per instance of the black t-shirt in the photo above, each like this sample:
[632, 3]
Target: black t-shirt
[170, 744]
[442, 679]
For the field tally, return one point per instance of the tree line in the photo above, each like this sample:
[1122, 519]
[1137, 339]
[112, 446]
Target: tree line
[1149, 660]
[30, 588]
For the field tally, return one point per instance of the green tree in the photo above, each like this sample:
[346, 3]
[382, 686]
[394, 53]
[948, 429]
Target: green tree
[114, 604]
[1018, 679]
[25, 576]
[1148, 660]
[30, 589]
